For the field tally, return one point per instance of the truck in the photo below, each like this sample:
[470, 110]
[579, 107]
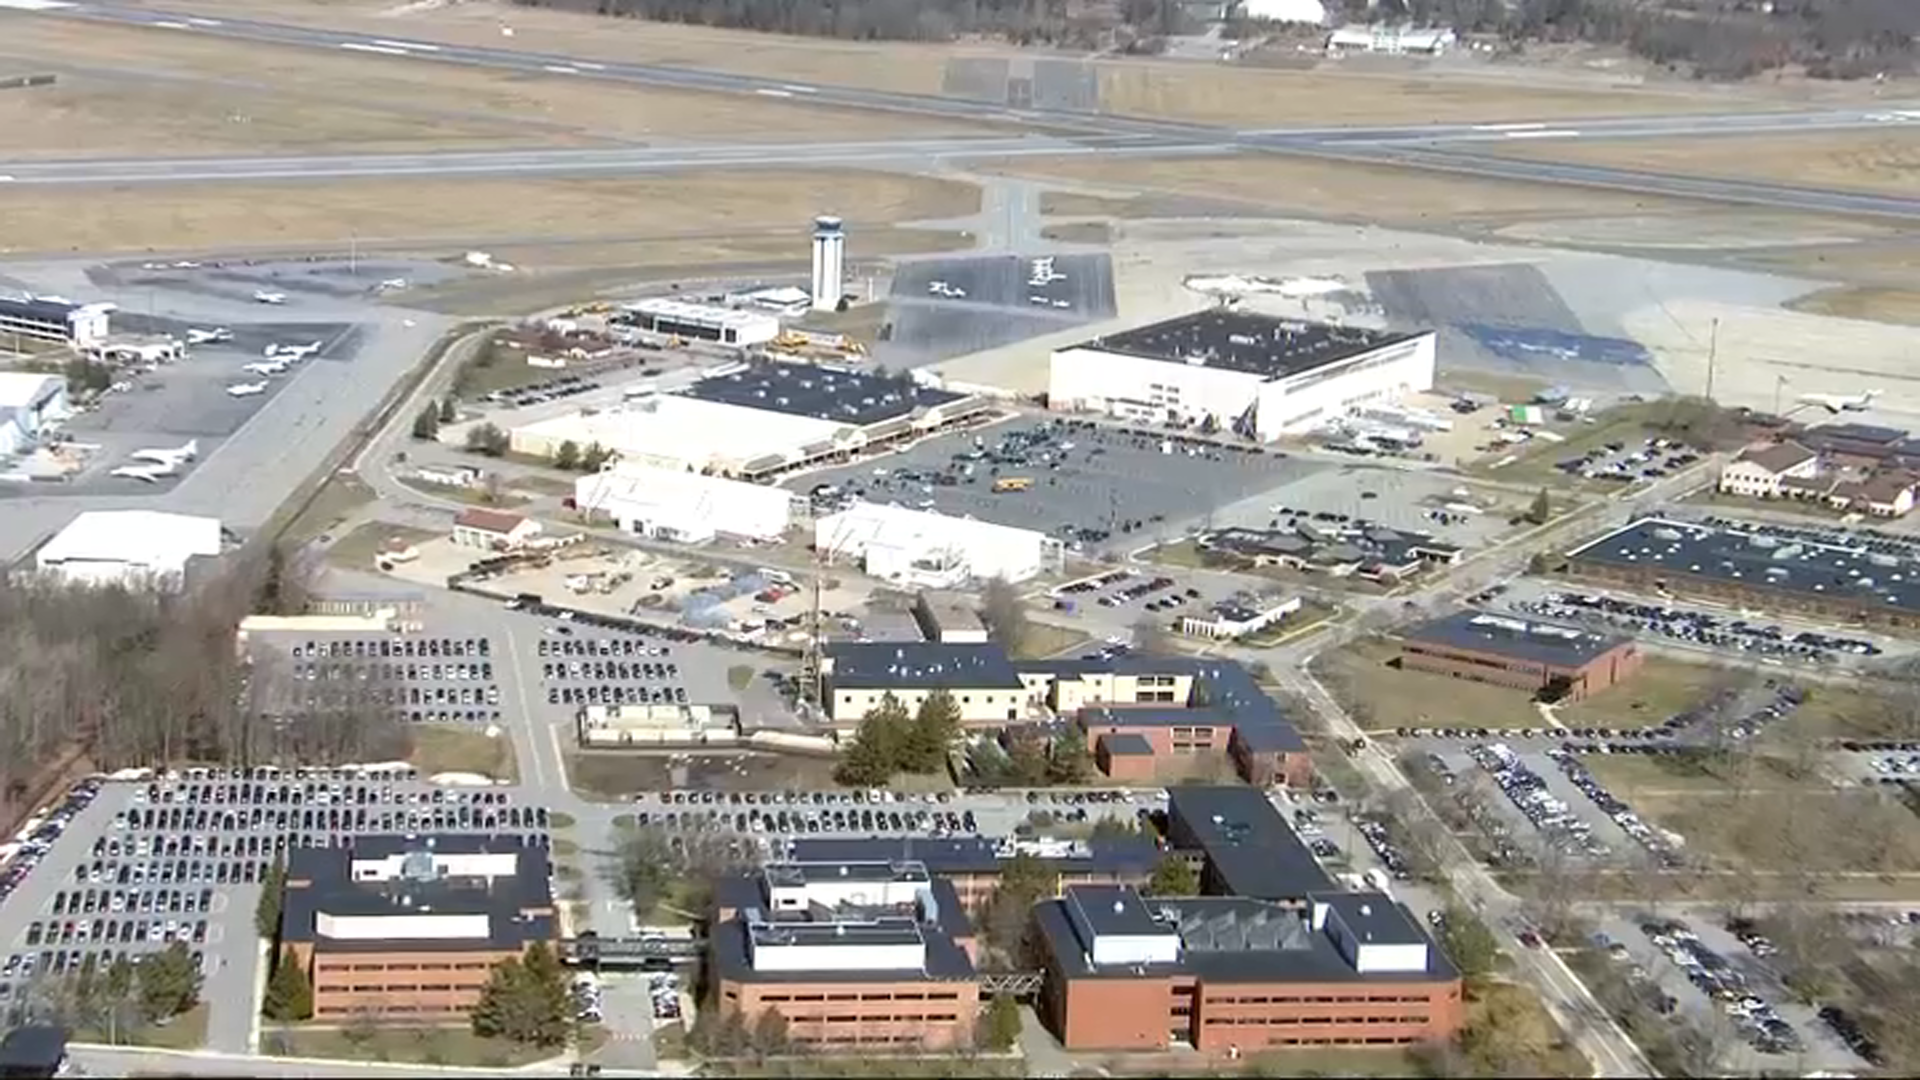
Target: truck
[1012, 483]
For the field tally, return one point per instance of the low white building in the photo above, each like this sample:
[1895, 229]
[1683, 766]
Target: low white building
[140, 548]
[31, 404]
[675, 504]
[493, 530]
[1228, 370]
[927, 550]
[700, 322]
[1391, 40]
[1225, 621]
[674, 431]
[1759, 472]
[1309, 12]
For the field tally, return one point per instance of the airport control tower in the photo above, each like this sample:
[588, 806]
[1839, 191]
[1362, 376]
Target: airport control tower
[829, 262]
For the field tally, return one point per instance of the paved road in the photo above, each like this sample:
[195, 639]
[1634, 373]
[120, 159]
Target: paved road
[1414, 147]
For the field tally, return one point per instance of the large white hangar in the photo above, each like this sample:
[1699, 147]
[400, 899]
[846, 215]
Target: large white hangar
[758, 421]
[673, 504]
[922, 549]
[136, 548]
[1240, 371]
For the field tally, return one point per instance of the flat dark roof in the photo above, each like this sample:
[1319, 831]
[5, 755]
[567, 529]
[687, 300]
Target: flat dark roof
[37, 309]
[1127, 744]
[1234, 940]
[1246, 342]
[1229, 690]
[33, 1048]
[1376, 918]
[846, 397]
[920, 665]
[515, 904]
[1516, 638]
[1864, 566]
[1253, 851]
[729, 940]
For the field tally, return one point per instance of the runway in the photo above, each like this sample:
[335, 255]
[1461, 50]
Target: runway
[1456, 148]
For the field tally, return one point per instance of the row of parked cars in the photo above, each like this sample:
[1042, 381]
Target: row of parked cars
[1381, 841]
[41, 836]
[1849, 1031]
[1501, 848]
[1715, 976]
[1662, 844]
[1697, 627]
[565, 386]
[1567, 831]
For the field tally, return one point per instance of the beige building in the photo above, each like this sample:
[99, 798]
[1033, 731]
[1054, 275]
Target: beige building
[493, 530]
[1760, 471]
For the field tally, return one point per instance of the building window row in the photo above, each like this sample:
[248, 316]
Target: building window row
[323, 967]
[902, 995]
[1290, 999]
[1311, 1021]
[877, 1018]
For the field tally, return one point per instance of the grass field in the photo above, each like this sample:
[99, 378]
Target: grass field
[188, 1031]
[438, 749]
[1882, 160]
[126, 90]
[1078, 232]
[1194, 91]
[359, 546]
[298, 214]
[1662, 688]
[453, 1045]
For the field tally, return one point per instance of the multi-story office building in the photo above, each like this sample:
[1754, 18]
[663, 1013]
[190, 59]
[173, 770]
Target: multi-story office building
[971, 865]
[410, 926]
[1230, 974]
[850, 954]
[1554, 661]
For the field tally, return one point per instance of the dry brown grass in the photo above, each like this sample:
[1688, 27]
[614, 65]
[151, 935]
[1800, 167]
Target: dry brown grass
[1191, 91]
[1252, 97]
[1900, 306]
[184, 93]
[1882, 160]
[1074, 204]
[299, 214]
[1079, 232]
[1341, 190]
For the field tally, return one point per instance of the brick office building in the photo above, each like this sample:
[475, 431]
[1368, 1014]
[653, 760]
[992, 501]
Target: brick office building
[412, 927]
[1231, 974]
[1554, 661]
[1246, 848]
[877, 955]
[971, 865]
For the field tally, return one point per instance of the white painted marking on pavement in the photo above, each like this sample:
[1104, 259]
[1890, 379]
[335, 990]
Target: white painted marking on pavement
[801, 89]
[169, 24]
[1508, 127]
[206, 22]
[1556, 134]
[6, 179]
[411, 46]
[590, 67]
[561, 69]
[384, 50]
[33, 5]
[774, 93]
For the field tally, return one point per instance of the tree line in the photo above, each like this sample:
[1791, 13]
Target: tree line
[124, 676]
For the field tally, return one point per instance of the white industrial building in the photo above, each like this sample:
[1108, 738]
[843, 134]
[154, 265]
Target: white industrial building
[756, 420]
[48, 318]
[1391, 40]
[1311, 12]
[30, 405]
[927, 550]
[129, 547]
[700, 322]
[674, 504]
[1229, 370]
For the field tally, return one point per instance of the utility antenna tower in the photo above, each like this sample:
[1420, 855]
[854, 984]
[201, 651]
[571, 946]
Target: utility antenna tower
[812, 678]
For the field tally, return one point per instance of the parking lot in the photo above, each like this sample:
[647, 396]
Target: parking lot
[1092, 486]
[582, 669]
[1756, 636]
[422, 679]
[146, 862]
[1628, 462]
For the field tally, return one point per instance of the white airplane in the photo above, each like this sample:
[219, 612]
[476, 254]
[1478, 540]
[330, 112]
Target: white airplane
[268, 296]
[247, 389]
[209, 337]
[293, 353]
[394, 283]
[152, 474]
[267, 367]
[1835, 403]
[173, 457]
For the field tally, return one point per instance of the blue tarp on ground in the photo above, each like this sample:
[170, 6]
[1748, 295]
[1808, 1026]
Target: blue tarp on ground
[1531, 346]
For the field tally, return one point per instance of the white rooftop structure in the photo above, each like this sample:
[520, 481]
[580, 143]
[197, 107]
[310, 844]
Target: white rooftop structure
[689, 507]
[1284, 11]
[30, 403]
[672, 431]
[106, 547]
[702, 322]
[924, 549]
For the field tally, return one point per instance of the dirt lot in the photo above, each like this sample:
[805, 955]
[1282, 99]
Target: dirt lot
[294, 214]
[126, 90]
[1863, 302]
[1192, 91]
[1883, 160]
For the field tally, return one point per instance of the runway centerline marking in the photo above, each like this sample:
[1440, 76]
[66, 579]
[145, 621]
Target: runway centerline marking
[384, 50]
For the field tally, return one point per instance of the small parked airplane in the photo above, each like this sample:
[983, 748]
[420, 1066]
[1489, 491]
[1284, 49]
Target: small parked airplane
[293, 353]
[268, 296]
[247, 389]
[210, 336]
[152, 474]
[267, 367]
[1835, 403]
[174, 457]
